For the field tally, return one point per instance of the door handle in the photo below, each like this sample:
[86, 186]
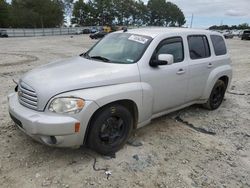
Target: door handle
[210, 65]
[181, 71]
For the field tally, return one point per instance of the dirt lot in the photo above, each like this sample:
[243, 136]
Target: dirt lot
[172, 154]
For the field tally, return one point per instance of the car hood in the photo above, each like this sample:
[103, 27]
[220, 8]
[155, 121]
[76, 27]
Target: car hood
[74, 74]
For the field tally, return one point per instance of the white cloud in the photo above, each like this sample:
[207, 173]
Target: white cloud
[235, 13]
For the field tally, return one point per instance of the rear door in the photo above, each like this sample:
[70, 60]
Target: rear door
[200, 65]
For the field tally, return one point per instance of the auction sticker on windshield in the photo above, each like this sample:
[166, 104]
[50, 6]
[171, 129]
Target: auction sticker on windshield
[139, 39]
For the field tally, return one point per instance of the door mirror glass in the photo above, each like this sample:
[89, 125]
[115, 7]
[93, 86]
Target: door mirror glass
[162, 59]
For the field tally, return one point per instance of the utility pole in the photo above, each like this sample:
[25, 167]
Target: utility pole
[191, 25]
[221, 23]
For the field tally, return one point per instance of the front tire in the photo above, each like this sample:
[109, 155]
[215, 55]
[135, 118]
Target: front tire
[217, 95]
[109, 129]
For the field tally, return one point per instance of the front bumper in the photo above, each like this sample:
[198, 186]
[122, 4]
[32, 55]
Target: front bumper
[47, 127]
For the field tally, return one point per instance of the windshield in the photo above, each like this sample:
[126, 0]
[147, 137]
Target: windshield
[121, 48]
[246, 32]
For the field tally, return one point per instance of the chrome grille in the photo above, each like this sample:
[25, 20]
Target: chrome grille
[27, 96]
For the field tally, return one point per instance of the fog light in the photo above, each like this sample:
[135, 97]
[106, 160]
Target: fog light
[50, 140]
[53, 139]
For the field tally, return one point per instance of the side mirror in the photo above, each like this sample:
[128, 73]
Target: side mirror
[162, 59]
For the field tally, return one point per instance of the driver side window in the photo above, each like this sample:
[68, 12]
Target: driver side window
[173, 46]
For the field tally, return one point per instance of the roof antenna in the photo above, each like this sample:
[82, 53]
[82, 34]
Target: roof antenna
[191, 25]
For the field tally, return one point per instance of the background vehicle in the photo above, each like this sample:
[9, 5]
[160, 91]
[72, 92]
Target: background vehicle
[245, 35]
[86, 31]
[93, 30]
[236, 33]
[78, 31]
[98, 34]
[122, 83]
[107, 29]
[3, 34]
[228, 35]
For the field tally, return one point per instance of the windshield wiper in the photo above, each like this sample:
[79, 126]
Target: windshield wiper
[100, 58]
[85, 55]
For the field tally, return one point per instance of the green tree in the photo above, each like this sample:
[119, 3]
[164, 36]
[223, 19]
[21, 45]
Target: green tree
[174, 15]
[123, 11]
[233, 27]
[80, 13]
[68, 6]
[157, 12]
[243, 26]
[104, 11]
[162, 13]
[37, 13]
[93, 12]
[4, 13]
[127, 12]
[139, 13]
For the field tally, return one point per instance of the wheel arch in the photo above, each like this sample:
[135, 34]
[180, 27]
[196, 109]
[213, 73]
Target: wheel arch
[127, 103]
[225, 79]
[223, 73]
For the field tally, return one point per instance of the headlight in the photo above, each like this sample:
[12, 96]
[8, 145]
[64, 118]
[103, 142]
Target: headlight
[66, 105]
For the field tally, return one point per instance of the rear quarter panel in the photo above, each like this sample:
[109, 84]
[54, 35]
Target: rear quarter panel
[222, 68]
[220, 71]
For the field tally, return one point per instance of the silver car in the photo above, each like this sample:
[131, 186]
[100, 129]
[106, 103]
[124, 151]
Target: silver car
[122, 83]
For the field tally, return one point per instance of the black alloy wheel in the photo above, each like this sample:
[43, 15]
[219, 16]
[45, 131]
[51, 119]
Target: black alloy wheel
[216, 96]
[112, 130]
[109, 129]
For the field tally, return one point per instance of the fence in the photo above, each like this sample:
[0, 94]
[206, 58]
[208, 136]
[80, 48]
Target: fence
[42, 31]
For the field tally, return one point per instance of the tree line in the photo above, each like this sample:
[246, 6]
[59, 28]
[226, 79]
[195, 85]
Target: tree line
[127, 12]
[53, 13]
[233, 27]
[31, 13]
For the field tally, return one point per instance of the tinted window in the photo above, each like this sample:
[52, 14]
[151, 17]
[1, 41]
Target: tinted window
[246, 32]
[172, 46]
[219, 45]
[198, 47]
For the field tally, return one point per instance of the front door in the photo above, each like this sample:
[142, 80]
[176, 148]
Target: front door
[168, 82]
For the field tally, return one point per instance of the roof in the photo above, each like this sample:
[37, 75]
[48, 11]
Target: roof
[155, 31]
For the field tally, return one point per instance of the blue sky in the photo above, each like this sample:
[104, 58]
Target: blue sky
[214, 12]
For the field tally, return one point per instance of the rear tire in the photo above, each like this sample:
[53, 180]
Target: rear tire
[217, 95]
[110, 129]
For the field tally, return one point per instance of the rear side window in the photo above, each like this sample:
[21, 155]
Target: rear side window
[219, 45]
[198, 47]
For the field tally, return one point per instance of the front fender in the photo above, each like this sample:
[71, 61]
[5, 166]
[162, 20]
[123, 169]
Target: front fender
[107, 94]
[140, 93]
[225, 70]
[104, 95]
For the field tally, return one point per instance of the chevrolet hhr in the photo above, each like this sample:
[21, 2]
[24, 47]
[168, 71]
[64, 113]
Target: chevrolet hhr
[123, 82]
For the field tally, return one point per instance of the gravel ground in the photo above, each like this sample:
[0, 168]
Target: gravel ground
[172, 154]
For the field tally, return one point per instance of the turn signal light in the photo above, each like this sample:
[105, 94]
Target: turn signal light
[77, 127]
